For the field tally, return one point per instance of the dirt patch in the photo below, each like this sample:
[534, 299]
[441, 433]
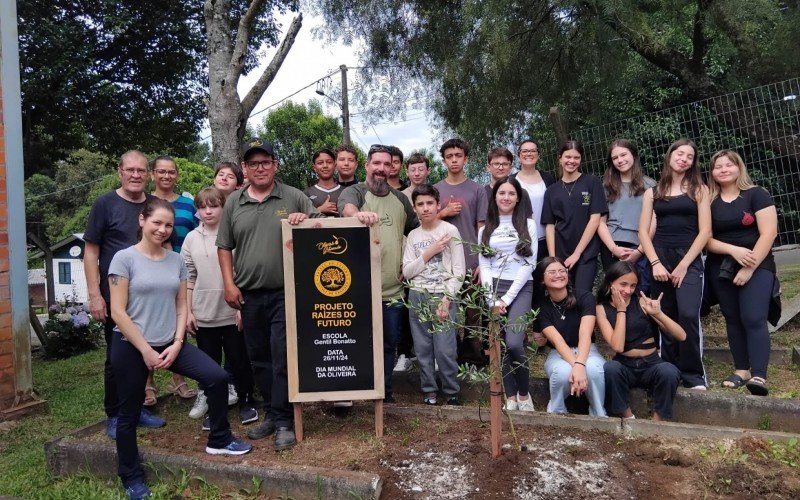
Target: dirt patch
[424, 458]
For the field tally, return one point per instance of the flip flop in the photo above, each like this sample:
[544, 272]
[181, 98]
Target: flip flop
[757, 386]
[182, 390]
[150, 395]
[734, 382]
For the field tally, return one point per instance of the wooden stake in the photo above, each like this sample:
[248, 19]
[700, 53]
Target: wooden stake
[495, 388]
[379, 418]
[298, 421]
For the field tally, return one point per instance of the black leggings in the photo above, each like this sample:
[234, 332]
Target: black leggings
[583, 273]
[214, 340]
[745, 309]
[131, 376]
[649, 372]
[683, 306]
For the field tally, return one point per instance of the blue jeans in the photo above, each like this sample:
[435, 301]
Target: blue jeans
[558, 372]
[392, 322]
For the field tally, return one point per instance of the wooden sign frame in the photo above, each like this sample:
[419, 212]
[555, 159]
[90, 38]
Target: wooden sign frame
[295, 395]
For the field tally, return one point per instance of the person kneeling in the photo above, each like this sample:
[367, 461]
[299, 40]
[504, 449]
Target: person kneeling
[629, 327]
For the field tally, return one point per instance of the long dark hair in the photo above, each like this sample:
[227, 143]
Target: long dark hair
[691, 179]
[518, 218]
[566, 147]
[613, 273]
[571, 300]
[150, 206]
[612, 181]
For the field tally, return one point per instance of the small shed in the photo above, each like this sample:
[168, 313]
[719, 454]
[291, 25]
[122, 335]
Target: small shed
[68, 276]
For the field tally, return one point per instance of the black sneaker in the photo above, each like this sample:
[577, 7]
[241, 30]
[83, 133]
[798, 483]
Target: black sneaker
[284, 438]
[453, 401]
[248, 414]
[207, 423]
[266, 428]
[389, 400]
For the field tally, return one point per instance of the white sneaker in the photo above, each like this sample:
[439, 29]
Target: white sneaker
[200, 406]
[511, 405]
[342, 404]
[233, 398]
[525, 404]
[403, 364]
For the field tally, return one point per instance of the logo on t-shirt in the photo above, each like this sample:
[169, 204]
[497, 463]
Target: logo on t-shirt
[585, 198]
[386, 220]
[748, 219]
[281, 212]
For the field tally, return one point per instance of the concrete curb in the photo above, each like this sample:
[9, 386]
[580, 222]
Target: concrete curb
[779, 356]
[70, 455]
[617, 426]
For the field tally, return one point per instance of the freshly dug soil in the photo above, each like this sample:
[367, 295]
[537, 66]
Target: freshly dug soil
[421, 458]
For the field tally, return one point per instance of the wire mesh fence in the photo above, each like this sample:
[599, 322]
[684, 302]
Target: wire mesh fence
[762, 124]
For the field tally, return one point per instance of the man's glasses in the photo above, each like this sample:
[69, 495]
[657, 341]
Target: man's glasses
[500, 164]
[259, 165]
[135, 171]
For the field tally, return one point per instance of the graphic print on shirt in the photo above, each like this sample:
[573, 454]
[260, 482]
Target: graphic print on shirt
[747, 219]
[586, 198]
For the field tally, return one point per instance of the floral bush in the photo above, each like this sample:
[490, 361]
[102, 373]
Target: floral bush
[70, 331]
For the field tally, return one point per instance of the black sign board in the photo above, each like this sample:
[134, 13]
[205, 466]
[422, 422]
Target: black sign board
[332, 308]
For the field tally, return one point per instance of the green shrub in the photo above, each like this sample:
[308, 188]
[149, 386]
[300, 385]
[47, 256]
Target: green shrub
[70, 331]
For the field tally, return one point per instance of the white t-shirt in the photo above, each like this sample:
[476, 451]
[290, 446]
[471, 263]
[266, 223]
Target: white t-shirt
[536, 194]
[506, 263]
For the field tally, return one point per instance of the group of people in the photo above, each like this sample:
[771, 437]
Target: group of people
[531, 241]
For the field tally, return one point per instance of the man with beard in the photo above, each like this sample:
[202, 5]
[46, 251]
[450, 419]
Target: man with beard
[375, 202]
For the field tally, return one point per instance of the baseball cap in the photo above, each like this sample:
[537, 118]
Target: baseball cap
[256, 144]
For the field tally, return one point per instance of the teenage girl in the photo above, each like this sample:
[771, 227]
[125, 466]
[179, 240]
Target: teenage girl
[571, 215]
[741, 267]
[566, 318]
[628, 323]
[624, 184]
[507, 277]
[535, 183]
[682, 206]
[148, 305]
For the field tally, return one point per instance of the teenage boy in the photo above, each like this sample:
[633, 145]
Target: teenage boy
[228, 177]
[463, 203]
[417, 168]
[325, 193]
[498, 164]
[433, 261]
[394, 171]
[346, 165]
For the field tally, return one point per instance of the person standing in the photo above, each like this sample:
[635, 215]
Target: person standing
[417, 168]
[326, 191]
[393, 174]
[112, 226]
[346, 165]
[741, 268]
[148, 304]
[682, 206]
[251, 225]
[228, 177]
[535, 182]
[375, 202]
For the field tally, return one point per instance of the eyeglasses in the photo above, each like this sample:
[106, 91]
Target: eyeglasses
[528, 151]
[504, 164]
[555, 272]
[260, 165]
[163, 171]
[135, 171]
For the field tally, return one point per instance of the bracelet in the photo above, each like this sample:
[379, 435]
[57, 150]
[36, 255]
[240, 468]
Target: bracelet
[653, 263]
[623, 312]
[178, 340]
[579, 363]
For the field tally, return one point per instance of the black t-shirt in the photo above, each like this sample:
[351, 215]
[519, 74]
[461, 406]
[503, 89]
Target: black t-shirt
[113, 225]
[569, 206]
[638, 326]
[344, 184]
[677, 224]
[550, 314]
[735, 222]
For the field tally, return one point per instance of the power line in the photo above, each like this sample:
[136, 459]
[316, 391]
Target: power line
[70, 188]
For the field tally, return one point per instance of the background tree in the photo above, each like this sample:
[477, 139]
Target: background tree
[109, 75]
[235, 30]
[296, 131]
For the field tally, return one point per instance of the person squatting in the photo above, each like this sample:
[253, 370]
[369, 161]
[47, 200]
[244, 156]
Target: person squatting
[163, 266]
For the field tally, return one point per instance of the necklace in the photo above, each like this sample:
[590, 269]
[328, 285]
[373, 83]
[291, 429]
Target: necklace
[569, 191]
[559, 309]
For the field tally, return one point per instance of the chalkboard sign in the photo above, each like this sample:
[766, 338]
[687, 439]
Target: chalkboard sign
[334, 333]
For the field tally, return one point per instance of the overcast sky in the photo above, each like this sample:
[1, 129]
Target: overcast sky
[309, 59]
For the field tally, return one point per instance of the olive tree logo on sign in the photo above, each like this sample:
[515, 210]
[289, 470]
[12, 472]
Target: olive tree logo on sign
[332, 278]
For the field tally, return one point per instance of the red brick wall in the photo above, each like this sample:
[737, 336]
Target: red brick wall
[7, 390]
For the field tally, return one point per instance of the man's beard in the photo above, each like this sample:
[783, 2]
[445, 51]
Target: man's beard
[378, 186]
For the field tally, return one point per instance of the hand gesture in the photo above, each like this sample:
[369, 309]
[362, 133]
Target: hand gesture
[328, 207]
[437, 247]
[619, 302]
[743, 276]
[744, 256]
[651, 307]
[452, 209]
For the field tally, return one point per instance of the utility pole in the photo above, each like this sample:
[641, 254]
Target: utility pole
[345, 106]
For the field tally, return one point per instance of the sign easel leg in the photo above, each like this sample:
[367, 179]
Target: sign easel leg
[379, 418]
[298, 421]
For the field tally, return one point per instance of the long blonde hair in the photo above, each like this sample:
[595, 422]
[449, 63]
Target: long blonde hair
[743, 182]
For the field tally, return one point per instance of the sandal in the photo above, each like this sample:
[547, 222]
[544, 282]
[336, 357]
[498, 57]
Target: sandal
[757, 386]
[182, 390]
[734, 382]
[150, 395]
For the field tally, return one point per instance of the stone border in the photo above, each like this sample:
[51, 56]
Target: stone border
[70, 454]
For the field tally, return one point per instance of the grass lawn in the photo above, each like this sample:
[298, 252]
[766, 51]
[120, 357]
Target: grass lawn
[73, 389]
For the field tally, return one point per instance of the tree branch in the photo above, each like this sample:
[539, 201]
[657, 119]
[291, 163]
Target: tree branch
[699, 39]
[252, 97]
[243, 37]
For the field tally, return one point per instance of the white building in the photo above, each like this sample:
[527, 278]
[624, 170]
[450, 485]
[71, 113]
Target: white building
[68, 277]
